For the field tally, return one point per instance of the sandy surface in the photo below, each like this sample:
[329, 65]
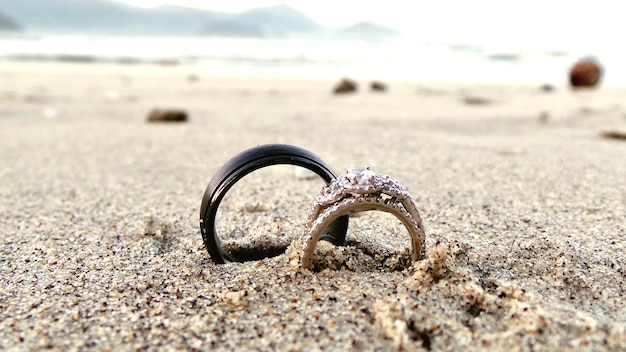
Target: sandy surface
[523, 202]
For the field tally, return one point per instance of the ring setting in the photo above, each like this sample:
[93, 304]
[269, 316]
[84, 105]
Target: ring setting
[362, 190]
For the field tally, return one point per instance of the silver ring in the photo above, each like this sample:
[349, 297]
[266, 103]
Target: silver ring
[362, 190]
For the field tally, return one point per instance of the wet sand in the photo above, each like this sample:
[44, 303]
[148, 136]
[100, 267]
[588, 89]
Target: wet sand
[523, 201]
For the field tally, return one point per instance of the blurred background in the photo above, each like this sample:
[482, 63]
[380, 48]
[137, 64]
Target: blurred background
[445, 41]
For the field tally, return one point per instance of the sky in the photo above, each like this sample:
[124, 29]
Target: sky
[496, 20]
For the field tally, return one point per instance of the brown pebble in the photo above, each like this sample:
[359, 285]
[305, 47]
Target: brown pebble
[614, 134]
[376, 86]
[167, 115]
[585, 73]
[346, 86]
[472, 100]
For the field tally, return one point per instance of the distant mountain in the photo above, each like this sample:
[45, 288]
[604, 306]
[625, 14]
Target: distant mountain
[104, 17]
[114, 18]
[8, 24]
[368, 31]
[278, 21]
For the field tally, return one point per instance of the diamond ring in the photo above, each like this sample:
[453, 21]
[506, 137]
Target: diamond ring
[362, 190]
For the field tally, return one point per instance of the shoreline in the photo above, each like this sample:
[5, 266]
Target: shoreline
[224, 69]
[405, 60]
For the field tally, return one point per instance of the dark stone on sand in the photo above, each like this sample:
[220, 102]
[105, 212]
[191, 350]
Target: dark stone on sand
[585, 73]
[474, 100]
[192, 77]
[169, 115]
[614, 134]
[547, 87]
[346, 86]
[75, 58]
[376, 86]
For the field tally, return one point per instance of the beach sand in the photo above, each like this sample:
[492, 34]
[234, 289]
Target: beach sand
[522, 199]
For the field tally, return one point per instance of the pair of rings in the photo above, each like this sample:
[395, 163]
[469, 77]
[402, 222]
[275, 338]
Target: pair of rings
[358, 190]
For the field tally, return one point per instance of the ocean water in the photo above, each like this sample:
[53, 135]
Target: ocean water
[401, 59]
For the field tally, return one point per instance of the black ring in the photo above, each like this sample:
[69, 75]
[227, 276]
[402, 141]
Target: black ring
[241, 165]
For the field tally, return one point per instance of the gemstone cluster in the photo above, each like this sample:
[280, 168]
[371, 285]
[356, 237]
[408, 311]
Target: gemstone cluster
[360, 181]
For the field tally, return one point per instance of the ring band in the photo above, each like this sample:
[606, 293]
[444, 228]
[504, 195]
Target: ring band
[241, 165]
[362, 190]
